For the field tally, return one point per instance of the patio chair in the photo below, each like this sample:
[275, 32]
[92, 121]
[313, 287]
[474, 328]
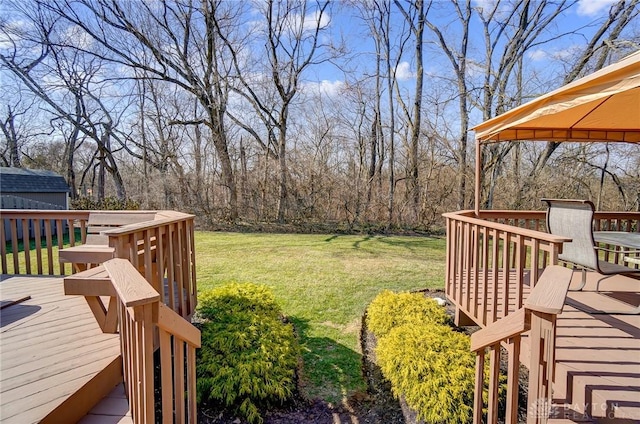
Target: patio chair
[574, 219]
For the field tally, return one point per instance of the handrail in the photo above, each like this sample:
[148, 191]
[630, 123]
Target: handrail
[163, 250]
[501, 253]
[27, 227]
[512, 325]
[132, 289]
[173, 323]
[542, 236]
[44, 213]
[154, 223]
[539, 317]
[140, 314]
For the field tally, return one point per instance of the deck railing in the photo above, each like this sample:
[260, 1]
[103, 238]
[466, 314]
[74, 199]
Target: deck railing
[141, 318]
[494, 257]
[489, 262]
[161, 249]
[538, 315]
[35, 236]
[493, 265]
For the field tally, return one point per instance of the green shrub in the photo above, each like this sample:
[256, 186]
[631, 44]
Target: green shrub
[389, 310]
[432, 367]
[249, 355]
[107, 204]
[427, 363]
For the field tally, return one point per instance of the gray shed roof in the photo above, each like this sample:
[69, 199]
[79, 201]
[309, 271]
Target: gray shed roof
[19, 180]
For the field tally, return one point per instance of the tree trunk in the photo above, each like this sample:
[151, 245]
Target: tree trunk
[282, 162]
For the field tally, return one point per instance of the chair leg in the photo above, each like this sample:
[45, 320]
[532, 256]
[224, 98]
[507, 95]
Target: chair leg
[583, 282]
[634, 311]
[600, 280]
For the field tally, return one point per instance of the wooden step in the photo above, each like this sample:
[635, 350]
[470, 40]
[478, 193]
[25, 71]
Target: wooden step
[113, 409]
[78, 404]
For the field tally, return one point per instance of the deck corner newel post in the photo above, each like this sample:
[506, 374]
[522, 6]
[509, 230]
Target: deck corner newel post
[541, 369]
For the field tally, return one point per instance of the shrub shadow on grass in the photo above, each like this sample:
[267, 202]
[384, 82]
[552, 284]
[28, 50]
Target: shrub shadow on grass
[408, 244]
[328, 368]
[331, 368]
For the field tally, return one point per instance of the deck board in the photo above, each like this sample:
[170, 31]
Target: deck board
[50, 346]
[598, 356]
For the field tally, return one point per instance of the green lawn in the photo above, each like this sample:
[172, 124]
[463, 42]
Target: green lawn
[323, 283]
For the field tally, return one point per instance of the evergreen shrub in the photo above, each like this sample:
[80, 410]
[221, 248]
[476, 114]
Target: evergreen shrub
[389, 310]
[427, 363]
[432, 367]
[249, 355]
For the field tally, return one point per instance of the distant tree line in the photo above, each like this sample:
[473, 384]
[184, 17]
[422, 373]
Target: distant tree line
[208, 106]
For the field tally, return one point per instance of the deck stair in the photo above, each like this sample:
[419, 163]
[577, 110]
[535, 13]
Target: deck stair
[113, 409]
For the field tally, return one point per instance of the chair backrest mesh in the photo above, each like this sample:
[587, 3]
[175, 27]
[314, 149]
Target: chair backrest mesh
[573, 219]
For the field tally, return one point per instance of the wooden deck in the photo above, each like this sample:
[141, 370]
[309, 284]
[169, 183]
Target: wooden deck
[54, 359]
[598, 355]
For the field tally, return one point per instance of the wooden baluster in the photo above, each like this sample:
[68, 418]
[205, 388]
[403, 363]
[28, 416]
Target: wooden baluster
[475, 253]
[14, 246]
[495, 236]
[37, 229]
[513, 377]
[165, 377]
[26, 245]
[485, 274]
[459, 262]
[193, 284]
[49, 240]
[494, 383]
[478, 402]
[178, 379]
[3, 247]
[60, 236]
[191, 383]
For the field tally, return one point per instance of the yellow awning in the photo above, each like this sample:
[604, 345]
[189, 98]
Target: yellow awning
[603, 106]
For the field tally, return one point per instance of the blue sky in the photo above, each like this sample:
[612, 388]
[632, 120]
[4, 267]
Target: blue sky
[584, 17]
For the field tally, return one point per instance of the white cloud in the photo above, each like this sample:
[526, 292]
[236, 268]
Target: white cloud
[13, 32]
[313, 20]
[326, 87]
[593, 7]
[541, 54]
[298, 24]
[403, 71]
[485, 7]
[473, 70]
[538, 55]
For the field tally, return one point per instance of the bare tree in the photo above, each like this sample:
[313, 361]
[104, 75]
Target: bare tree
[457, 57]
[604, 44]
[292, 33]
[415, 15]
[508, 35]
[54, 69]
[172, 41]
[10, 153]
